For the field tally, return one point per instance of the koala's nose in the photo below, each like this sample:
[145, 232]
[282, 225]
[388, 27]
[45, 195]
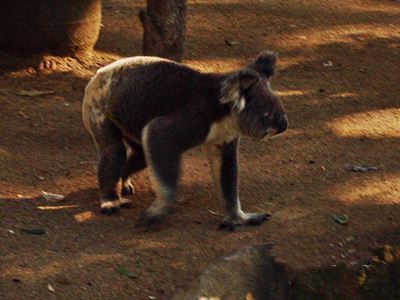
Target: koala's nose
[282, 123]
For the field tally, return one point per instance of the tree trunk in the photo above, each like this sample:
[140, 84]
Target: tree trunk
[164, 28]
[53, 26]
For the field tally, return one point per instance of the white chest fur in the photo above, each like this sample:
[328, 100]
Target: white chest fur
[223, 131]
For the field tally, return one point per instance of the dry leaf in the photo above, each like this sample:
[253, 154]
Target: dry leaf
[34, 231]
[52, 197]
[125, 272]
[51, 288]
[231, 42]
[327, 64]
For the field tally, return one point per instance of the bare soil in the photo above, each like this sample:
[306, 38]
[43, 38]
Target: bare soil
[339, 79]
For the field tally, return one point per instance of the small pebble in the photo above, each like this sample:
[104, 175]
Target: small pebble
[327, 64]
[50, 288]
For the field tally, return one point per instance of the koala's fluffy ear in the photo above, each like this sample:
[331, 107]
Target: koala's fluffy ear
[265, 63]
[247, 78]
[234, 86]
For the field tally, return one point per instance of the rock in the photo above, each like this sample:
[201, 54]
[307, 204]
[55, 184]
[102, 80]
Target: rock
[231, 42]
[250, 271]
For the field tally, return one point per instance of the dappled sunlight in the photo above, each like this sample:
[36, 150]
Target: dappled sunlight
[336, 5]
[352, 33]
[292, 213]
[215, 64]
[97, 258]
[377, 189]
[84, 216]
[373, 124]
[147, 244]
[227, 2]
[59, 207]
[343, 95]
[293, 93]
[56, 267]
[231, 64]
[337, 79]
[29, 195]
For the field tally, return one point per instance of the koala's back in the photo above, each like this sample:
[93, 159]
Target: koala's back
[133, 91]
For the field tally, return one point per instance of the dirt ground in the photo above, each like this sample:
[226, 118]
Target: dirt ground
[340, 81]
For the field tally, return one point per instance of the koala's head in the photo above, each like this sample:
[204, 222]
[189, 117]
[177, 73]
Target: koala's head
[259, 111]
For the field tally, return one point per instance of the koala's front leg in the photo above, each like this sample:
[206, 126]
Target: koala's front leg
[163, 157]
[224, 165]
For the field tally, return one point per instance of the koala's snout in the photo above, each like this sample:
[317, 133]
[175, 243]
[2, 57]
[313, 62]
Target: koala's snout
[282, 123]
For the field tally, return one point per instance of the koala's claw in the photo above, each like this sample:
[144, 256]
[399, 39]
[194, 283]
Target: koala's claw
[257, 219]
[127, 189]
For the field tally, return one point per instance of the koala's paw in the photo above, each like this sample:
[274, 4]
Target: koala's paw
[243, 219]
[125, 202]
[127, 188]
[109, 207]
[154, 214]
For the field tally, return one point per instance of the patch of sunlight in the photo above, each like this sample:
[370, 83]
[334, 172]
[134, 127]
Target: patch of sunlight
[83, 217]
[292, 93]
[96, 258]
[292, 213]
[343, 95]
[233, 64]
[33, 274]
[59, 207]
[145, 244]
[214, 1]
[55, 267]
[381, 123]
[216, 64]
[378, 189]
[336, 34]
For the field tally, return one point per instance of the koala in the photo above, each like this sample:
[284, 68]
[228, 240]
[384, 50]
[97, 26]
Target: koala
[147, 111]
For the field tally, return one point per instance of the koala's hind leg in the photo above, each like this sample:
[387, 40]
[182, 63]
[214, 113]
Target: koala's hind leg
[224, 165]
[163, 158]
[112, 157]
[134, 163]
